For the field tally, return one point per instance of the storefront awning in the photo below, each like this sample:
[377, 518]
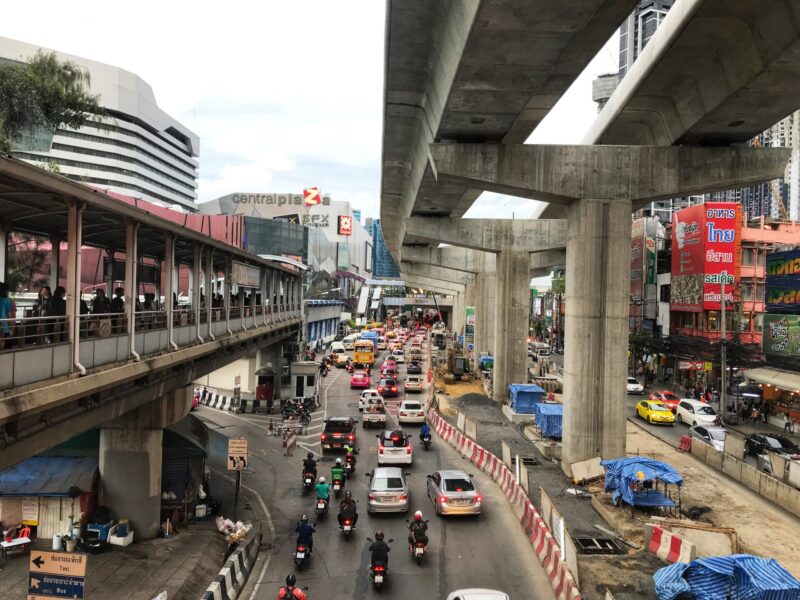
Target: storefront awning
[786, 380]
[49, 476]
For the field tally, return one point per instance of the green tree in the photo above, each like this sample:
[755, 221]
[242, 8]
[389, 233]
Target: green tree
[44, 93]
[558, 285]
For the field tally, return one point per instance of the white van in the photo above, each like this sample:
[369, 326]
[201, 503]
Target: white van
[337, 348]
[350, 340]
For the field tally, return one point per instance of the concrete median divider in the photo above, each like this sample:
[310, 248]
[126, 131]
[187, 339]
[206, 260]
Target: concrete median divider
[545, 546]
[230, 580]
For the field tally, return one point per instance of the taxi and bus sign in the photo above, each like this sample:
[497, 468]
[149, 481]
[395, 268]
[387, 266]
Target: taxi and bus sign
[56, 575]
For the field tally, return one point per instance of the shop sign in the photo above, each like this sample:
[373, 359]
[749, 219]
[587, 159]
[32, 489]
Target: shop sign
[316, 221]
[245, 275]
[783, 282]
[705, 253]
[345, 225]
[30, 511]
[708, 366]
[311, 196]
[469, 328]
[781, 335]
[686, 365]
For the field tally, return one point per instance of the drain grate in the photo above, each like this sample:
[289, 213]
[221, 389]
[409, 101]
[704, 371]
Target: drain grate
[597, 545]
[528, 461]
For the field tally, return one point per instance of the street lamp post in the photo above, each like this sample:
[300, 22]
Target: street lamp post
[723, 340]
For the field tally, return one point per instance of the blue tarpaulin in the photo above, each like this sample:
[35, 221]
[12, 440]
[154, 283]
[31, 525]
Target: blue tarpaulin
[549, 418]
[622, 473]
[486, 362]
[49, 476]
[738, 577]
[524, 396]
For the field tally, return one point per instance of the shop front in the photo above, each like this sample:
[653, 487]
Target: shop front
[780, 391]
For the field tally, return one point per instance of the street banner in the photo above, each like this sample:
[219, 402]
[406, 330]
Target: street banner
[781, 335]
[469, 328]
[783, 282]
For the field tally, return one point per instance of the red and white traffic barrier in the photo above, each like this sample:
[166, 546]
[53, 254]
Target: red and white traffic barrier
[670, 547]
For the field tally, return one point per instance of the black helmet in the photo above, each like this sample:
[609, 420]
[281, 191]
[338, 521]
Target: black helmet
[378, 536]
[290, 579]
[304, 519]
[310, 455]
[348, 495]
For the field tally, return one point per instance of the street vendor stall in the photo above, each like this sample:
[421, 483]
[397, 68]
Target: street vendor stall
[737, 576]
[642, 481]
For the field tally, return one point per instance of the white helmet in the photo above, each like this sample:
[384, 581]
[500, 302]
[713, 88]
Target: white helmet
[338, 461]
[418, 515]
[322, 480]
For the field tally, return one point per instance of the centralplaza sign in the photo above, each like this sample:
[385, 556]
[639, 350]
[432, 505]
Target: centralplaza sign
[275, 199]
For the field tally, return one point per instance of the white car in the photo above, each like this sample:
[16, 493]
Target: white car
[399, 356]
[394, 448]
[368, 397]
[411, 411]
[634, 387]
[694, 412]
[478, 594]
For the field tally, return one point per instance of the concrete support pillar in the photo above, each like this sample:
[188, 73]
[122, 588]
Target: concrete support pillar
[209, 288]
[169, 285]
[55, 256]
[485, 297]
[197, 278]
[4, 251]
[596, 324]
[130, 461]
[131, 278]
[511, 320]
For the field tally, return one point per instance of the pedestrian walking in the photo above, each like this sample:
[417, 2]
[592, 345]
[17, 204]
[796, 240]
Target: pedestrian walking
[787, 423]
[754, 413]
[764, 413]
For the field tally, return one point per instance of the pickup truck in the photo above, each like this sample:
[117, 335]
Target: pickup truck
[374, 414]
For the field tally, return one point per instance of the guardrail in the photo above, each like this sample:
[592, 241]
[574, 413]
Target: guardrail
[230, 580]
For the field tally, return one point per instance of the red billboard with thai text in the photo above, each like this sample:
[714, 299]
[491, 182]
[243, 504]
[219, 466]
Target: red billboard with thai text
[706, 243]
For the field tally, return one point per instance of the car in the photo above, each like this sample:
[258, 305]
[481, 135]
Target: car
[359, 379]
[634, 387]
[757, 443]
[367, 397]
[667, 397]
[477, 594]
[411, 411]
[338, 433]
[712, 435]
[399, 356]
[413, 383]
[388, 388]
[414, 367]
[388, 490]
[654, 412]
[389, 370]
[341, 360]
[694, 412]
[453, 493]
[389, 364]
[381, 343]
[394, 448]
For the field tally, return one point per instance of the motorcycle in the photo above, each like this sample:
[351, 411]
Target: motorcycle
[308, 482]
[337, 488]
[347, 527]
[301, 556]
[322, 508]
[418, 551]
[378, 572]
[349, 465]
[426, 441]
[350, 369]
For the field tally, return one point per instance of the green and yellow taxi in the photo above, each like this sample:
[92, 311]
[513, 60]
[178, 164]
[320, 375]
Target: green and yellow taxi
[655, 412]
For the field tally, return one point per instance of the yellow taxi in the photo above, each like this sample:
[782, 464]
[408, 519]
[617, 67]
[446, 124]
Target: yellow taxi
[654, 412]
[341, 360]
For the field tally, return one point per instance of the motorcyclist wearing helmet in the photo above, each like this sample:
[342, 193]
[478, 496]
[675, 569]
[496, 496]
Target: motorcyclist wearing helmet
[337, 471]
[379, 550]
[347, 510]
[417, 530]
[305, 533]
[291, 592]
[350, 455]
[323, 490]
[310, 465]
[424, 431]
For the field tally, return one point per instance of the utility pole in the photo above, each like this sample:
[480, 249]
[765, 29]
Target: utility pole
[723, 340]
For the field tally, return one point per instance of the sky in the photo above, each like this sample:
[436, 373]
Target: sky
[284, 95]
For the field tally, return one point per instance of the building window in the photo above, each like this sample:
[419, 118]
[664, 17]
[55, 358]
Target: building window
[762, 259]
[664, 293]
[747, 322]
[748, 257]
[747, 291]
[759, 322]
[712, 320]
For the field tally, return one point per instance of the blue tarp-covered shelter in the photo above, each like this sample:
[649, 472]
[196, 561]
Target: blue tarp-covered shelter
[49, 476]
[486, 363]
[634, 480]
[524, 396]
[738, 577]
[549, 418]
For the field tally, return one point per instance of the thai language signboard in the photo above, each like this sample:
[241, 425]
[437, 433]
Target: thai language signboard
[783, 282]
[781, 335]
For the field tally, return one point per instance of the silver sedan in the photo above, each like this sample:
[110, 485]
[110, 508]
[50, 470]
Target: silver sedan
[453, 493]
[388, 490]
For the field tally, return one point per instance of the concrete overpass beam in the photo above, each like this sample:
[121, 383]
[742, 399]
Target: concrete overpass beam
[433, 285]
[436, 272]
[511, 320]
[560, 174]
[492, 235]
[596, 324]
[130, 461]
[547, 260]
[452, 257]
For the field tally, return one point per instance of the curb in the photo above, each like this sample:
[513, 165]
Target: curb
[230, 580]
[539, 536]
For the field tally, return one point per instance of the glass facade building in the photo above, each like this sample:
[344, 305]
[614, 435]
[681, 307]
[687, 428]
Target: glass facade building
[383, 264]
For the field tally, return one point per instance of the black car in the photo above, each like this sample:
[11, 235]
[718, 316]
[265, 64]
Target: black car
[414, 368]
[388, 388]
[338, 433]
[758, 443]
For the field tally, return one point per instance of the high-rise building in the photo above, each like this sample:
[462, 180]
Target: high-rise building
[638, 28]
[383, 264]
[136, 149]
